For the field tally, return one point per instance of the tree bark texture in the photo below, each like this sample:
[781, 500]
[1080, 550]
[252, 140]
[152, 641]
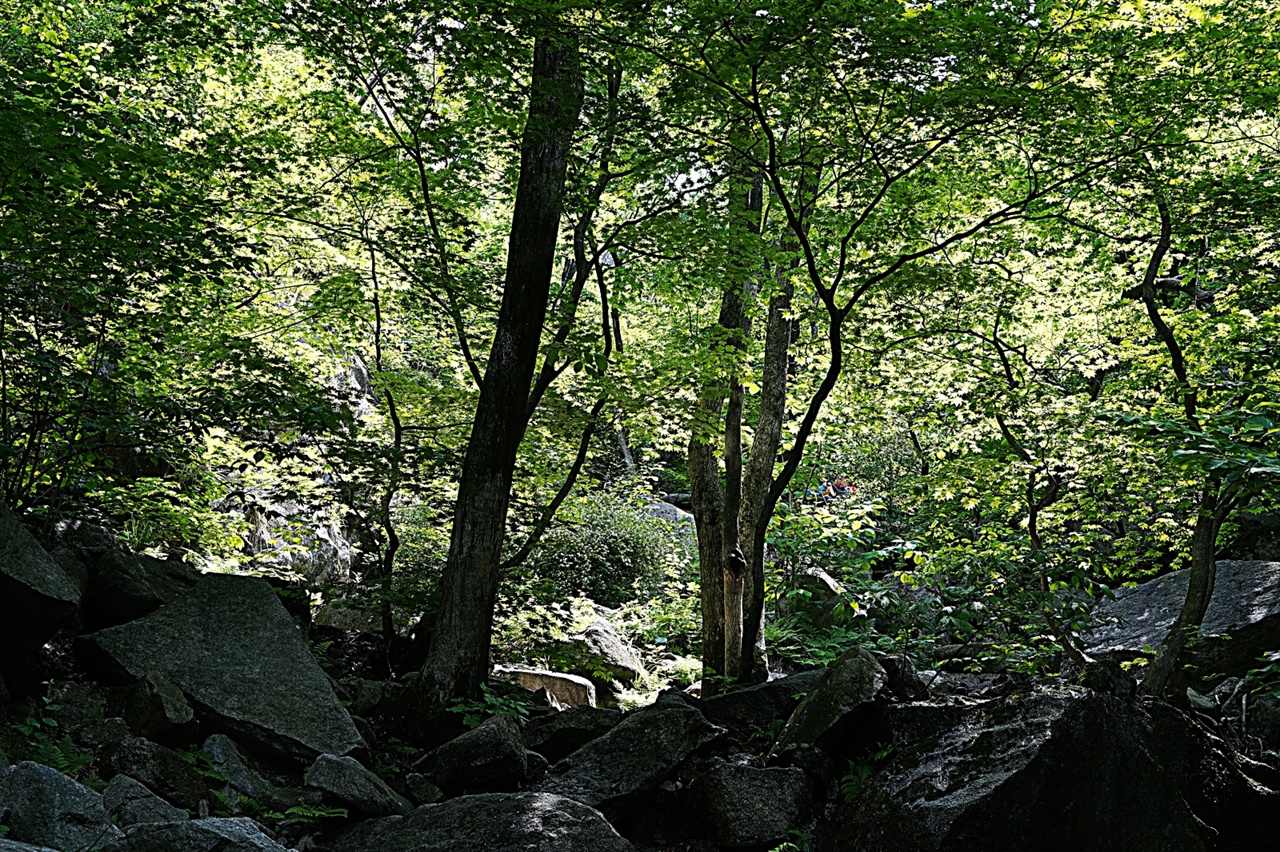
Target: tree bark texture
[458, 654]
[722, 568]
[765, 443]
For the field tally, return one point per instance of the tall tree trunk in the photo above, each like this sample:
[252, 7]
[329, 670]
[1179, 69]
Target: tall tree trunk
[458, 654]
[757, 508]
[715, 520]
[707, 498]
[722, 568]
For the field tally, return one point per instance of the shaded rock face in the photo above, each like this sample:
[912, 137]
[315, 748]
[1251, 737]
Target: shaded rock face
[344, 780]
[494, 822]
[421, 791]
[745, 807]
[243, 779]
[488, 758]
[1245, 607]
[15, 846]
[43, 807]
[233, 650]
[37, 598]
[156, 709]
[680, 520]
[1259, 539]
[123, 587]
[557, 735]
[235, 834]
[1067, 769]
[840, 700]
[752, 711]
[162, 770]
[636, 755]
[129, 802]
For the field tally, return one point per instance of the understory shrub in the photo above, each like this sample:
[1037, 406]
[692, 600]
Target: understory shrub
[607, 548]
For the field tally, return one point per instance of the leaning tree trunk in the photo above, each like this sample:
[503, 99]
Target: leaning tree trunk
[1203, 571]
[458, 654]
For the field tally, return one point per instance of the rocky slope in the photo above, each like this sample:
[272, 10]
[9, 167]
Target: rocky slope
[195, 717]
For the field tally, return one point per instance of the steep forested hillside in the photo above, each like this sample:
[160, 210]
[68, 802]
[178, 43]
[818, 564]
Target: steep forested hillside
[944, 320]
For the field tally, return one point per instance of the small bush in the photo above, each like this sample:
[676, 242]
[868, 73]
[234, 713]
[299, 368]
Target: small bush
[606, 548]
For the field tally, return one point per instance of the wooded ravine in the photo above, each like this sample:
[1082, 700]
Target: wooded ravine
[524, 425]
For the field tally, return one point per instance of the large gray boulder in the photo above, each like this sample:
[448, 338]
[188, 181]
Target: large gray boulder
[680, 520]
[233, 650]
[843, 695]
[493, 822]
[224, 834]
[637, 755]
[489, 758]
[37, 598]
[123, 587]
[756, 710]
[345, 781]
[1059, 770]
[129, 802]
[557, 735]
[1244, 610]
[43, 807]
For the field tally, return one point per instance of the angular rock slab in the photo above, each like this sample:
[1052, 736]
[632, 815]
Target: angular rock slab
[233, 650]
[844, 691]
[344, 779]
[599, 654]
[222, 834]
[746, 807]
[557, 735]
[129, 802]
[243, 780]
[161, 770]
[1059, 771]
[755, 709]
[493, 822]
[37, 598]
[636, 755]
[567, 690]
[43, 807]
[1245, 607]
[490, 758]
[123, 587]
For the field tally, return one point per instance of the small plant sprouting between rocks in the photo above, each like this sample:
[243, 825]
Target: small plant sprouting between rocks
[40, 741]
[475, 711]
[855, 780]
[1266, 677]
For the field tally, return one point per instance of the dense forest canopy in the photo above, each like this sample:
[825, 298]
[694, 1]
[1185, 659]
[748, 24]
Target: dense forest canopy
[970, 308]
